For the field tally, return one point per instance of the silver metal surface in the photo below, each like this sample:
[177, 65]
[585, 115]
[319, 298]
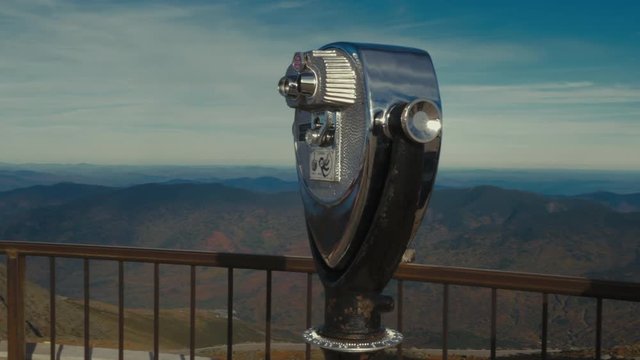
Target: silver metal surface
[391, 338]
[321, 128]
[420, 121]
[308, 83]
[361, 83]
[338, 104]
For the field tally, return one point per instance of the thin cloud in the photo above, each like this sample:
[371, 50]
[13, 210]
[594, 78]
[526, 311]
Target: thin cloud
[582, 92]
[154, 82]
[534, 141]
[279, 5]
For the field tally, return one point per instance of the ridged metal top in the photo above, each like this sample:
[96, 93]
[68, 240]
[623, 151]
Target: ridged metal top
[340, 78]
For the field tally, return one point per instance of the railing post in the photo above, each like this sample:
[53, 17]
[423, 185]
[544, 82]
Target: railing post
[15, 305]
[307, 347]
[400, 310]
[156, 311]
[445, 321]
[192, 313]
[120, 310]
[52, 308]
[599, 328]
[545, 324]
[87, 309]
[230, 313]
[267, 345]
[493, 322]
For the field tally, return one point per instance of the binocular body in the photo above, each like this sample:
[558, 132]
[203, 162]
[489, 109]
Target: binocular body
[367, 134]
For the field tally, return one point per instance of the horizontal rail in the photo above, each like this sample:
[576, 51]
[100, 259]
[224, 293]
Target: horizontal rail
[495, 279]
[163, 256]
[521, 281]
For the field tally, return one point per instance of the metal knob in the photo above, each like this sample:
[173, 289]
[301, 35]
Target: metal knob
[296, 85]
[421, 121]
[322, 129]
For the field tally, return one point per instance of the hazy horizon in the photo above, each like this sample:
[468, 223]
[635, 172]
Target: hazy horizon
[292, 166]
[543, 181]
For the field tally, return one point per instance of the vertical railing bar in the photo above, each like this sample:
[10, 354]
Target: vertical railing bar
[87, 320]
[192, 314]
[494, 298]
[120, 310]
[545, 324]
[399, 314]
[52, 307]
[15, 305]
[156, 311]
[599, 328]
[445, 321]
[307, 350]
[230, 314]
[267, 345]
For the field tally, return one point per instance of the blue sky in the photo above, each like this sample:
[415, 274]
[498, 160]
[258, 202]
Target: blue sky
[541, 84]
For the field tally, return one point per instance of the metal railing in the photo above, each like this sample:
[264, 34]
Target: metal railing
[17, 252]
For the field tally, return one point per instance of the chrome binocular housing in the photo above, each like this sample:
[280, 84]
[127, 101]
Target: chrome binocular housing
[367, 133]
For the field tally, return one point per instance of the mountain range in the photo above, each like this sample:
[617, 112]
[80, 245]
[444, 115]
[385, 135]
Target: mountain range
[550, 181]
[13, 176]
[596, 235]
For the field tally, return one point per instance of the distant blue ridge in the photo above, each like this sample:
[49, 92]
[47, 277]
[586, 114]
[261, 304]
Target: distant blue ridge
[278, 179]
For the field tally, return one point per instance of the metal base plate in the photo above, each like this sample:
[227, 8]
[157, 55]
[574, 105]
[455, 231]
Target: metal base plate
[391, 338]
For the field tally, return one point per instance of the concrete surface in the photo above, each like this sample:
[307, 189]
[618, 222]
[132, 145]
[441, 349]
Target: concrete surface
[40, 351]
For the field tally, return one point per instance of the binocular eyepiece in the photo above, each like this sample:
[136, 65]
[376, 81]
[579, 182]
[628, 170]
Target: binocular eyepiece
[367, 133]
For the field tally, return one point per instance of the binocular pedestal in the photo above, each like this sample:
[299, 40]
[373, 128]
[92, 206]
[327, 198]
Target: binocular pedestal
[352, 327]
[367, 134]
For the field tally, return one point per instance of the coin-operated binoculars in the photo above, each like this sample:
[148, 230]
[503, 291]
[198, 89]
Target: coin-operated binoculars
[367, 134]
